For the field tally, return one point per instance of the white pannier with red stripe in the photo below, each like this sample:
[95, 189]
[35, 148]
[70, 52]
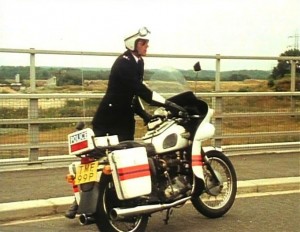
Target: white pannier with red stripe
[131, 172]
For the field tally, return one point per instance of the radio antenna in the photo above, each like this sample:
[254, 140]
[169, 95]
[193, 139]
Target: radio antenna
[296, 40]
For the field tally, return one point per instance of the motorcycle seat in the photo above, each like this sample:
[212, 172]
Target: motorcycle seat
[101, 150]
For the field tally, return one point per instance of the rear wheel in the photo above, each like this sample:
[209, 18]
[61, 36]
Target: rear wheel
[107, 201]
[217, 198]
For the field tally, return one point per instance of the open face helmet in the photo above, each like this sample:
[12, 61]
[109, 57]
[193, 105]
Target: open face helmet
[130, 42]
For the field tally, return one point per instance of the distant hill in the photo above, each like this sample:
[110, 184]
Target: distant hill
[227, 75]
[43, 73]
[253, 74]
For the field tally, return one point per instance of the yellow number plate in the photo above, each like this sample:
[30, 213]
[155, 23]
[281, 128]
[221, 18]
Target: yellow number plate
[86, 173]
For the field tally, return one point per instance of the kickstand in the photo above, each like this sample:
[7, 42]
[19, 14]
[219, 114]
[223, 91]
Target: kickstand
[168, 214]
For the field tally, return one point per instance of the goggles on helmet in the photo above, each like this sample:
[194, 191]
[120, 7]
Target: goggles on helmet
[130, 41]
[143, 31]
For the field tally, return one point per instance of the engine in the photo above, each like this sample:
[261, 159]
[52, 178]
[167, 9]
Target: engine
[171, 171]
[172, 174]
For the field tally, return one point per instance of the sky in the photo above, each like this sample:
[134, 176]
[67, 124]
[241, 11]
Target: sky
[203, 27]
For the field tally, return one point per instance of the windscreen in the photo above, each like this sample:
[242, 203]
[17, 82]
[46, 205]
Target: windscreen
[168, 81]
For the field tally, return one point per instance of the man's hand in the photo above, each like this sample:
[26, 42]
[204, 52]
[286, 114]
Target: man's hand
[174, 106]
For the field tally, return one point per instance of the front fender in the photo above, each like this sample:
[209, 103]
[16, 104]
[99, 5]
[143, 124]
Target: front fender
[210, 148]
[197, 158]
[205, 131]
[199, 180]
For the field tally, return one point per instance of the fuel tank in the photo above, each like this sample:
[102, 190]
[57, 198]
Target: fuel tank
[167, 137]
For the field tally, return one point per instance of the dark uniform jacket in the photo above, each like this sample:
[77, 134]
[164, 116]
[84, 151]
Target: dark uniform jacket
[115, 114]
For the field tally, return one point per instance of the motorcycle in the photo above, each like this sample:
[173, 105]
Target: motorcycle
[118, 185]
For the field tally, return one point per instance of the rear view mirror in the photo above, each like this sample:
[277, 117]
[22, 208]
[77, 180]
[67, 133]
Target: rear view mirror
[197, 67]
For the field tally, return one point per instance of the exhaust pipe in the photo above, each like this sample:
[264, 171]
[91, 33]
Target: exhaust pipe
[85, 219]
[118, 213]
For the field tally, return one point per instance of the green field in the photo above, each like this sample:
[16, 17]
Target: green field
[57, 108]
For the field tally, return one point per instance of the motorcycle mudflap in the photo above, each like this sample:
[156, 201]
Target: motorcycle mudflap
[88, 200]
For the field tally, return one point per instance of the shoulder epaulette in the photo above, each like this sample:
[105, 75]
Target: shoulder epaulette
[126, 57]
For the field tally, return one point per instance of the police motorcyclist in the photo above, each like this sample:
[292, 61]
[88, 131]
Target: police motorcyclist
[115, 114]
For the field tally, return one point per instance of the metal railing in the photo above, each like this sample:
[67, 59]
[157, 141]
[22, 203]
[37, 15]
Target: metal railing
[33, 52]
[33, 122]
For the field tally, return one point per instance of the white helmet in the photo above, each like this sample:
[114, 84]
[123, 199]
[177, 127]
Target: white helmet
[130, 42]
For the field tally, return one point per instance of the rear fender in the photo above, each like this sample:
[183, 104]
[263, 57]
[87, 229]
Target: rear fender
[88, 200]
[80, 194]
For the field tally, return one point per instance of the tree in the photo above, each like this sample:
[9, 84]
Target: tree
[238, 77]
[68, 76]
[284, 66]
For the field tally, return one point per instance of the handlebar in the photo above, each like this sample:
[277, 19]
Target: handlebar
[178, 109]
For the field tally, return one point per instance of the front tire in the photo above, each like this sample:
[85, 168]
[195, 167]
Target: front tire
[217, 199]
[108, 200]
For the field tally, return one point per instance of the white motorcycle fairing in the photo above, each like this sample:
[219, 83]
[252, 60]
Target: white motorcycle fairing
[205, 131]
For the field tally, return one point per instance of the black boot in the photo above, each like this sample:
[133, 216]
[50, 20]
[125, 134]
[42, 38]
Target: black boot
[71, 213]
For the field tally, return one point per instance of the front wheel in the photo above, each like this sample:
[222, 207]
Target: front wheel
[217, 197]
[107, 201]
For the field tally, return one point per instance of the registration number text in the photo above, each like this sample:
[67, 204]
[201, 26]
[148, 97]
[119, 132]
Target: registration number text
[86, 173]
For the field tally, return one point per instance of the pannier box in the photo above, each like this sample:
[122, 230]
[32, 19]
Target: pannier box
[131, 172]
[81, 141]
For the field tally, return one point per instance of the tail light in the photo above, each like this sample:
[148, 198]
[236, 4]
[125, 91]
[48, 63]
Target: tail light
[70, 178]
[107, 170]
[87, 160]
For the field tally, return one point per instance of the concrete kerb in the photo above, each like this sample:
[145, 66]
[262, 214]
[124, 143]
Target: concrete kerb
[25, 209]
[269, 185]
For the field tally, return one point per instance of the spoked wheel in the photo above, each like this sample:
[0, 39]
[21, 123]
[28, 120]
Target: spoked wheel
[218, 196]
[108, 200]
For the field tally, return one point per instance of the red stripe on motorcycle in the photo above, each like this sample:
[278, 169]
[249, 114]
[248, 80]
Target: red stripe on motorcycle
[133, 168]
[79, 146]
[130, 176]
[75, 189]
[134, 172]
[197, 160]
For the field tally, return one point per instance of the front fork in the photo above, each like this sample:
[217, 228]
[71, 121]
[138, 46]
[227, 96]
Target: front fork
[198, 164]
[214, 177]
